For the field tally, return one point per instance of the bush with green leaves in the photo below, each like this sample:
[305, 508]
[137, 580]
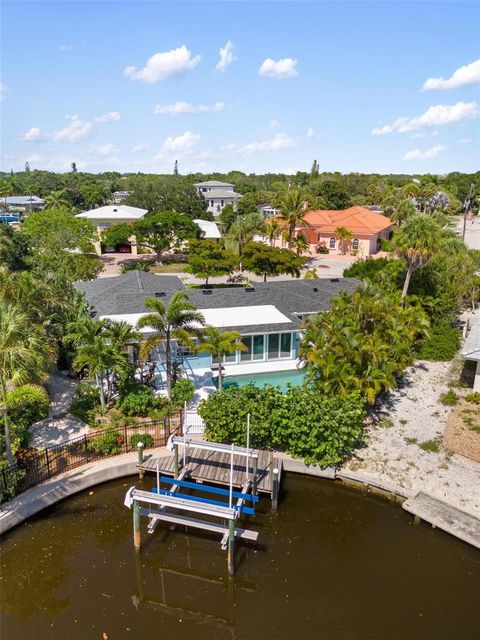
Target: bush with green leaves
[139, 265]
[26, 405]
[146, 438]
[441, 344]
[449, 398]
[138, 400]
[473, 397]
[107, 443]
[183, 391]
[320, 429]
[85, 403]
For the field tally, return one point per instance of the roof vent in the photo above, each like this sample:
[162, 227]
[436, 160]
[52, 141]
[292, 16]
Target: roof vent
[334, 280]
[207, 292]
[160, 294]
[249, 289]
[315, 289]
[115, 210]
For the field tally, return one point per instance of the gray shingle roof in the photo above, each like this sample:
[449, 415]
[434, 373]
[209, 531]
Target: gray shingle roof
[127, 293]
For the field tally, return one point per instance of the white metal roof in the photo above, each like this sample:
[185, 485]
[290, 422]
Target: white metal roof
[21, 200]
[114, 212]
[220, 317]
[209, 229]
[213, 183]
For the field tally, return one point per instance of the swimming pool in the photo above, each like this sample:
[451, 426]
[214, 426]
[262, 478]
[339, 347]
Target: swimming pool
[280, 379]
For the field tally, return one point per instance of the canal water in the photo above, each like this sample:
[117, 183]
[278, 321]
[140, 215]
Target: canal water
[332, 564]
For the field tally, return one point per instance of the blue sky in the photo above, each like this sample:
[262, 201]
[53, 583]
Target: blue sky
[132, 86]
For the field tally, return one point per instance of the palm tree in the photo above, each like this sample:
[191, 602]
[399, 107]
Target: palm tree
[345, 236]
[25, 356]
[179, 321]
[57, 200]
[292, 206]
[416, 242]
[245, 228]
[219, 344]
[300, 243]
[274, 229]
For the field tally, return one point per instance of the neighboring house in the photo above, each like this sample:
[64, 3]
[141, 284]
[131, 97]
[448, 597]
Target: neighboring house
[367, 229]
[23, 203]
[119, 196]
[471, 350]
[217, 195]
[209, 230]
[268, 211]
[105, 217]
[268, 315]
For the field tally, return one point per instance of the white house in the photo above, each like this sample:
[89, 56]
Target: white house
[217, 194]
[268, 211]
[23, 203]
[119, 196]
[105, 217]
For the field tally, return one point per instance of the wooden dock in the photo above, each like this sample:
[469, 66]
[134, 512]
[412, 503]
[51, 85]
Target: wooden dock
[214, 467]
[442, 515]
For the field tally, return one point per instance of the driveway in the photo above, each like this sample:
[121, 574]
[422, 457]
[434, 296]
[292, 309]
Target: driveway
[472, 232]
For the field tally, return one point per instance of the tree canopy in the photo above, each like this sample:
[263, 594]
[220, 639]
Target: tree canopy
[207, 259]
[264, 260]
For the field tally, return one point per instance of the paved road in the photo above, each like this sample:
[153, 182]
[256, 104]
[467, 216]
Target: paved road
[472, 232]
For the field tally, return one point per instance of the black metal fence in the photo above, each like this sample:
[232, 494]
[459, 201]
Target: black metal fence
[37, 466]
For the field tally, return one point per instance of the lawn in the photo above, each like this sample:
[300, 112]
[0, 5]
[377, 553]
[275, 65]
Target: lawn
[171, 267]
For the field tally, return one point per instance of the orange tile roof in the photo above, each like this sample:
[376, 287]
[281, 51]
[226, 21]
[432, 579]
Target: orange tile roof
[355, 219]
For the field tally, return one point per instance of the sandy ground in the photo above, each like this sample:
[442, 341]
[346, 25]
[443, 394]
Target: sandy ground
[59, 426]
[412, 415]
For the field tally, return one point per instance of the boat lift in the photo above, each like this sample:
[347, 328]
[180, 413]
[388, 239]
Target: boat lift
[170, 504]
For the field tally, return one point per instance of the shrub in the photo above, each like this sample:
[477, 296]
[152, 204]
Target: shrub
[442, 344]
[146, 438]
[386, 245]
[183, 391]
[302, 422]
[474, 397]
[85, 403]
[137, 400]
[26, 405]
[432, 446]
[118, 419]
[449, 398]
[107, 443]
[321, 248]
[141, 265]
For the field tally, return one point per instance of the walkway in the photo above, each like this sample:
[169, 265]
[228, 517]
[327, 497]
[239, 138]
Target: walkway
[472, 232]
[59, 426]
[404, 448]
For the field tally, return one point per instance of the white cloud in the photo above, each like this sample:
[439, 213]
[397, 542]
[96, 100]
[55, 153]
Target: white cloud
[111, 116]
[66, 47]
[33, 135]
[464, 141]
[163, 65]
[285, 68]
[34, 158]
[105, 150]
[438, 115]
[139, 148]
[273, 124]
[429, 154]
[182, 143]
[278, 142]
[461, 77]
[226, 56]
[310, 133]
[75, 131]
[181, 108]
[3, 92]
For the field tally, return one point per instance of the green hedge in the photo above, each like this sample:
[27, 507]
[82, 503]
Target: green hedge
[442, 345]
[319, 429]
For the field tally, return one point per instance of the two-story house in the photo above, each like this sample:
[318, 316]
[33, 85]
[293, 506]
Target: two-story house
[217, 194]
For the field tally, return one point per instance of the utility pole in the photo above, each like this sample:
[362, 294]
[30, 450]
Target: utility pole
[467, 205]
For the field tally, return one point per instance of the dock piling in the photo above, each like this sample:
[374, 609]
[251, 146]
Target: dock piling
[275, 486]
[231, 547]
[140, 449]
[137, 539]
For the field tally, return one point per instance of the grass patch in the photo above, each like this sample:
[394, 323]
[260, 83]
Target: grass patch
[442, 344]
[403, 421]
[449, 398]
[171, 267]
[385, 422]
[411, 440]
[432, 446]
[474, 397]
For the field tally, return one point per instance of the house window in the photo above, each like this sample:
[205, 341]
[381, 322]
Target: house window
[285, 345]
[212, 203]
[230, 357]
[279, 345]
[258, 347]
[204, 189]
[222, 203]
[246, 355]
[355, 243]
[273, 344]
[331, 243]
